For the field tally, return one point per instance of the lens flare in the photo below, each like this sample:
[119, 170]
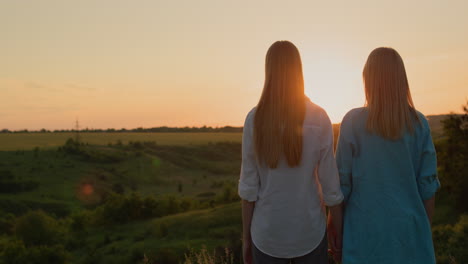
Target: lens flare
[87, 189]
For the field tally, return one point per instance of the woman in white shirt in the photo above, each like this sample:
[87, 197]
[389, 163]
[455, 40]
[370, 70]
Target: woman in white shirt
[288, 169]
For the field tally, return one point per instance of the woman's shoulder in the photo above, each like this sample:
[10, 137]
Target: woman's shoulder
[352, 115]
[249, 119]
[315, 113]
[422, 125]
[251, 113]
[422, 119]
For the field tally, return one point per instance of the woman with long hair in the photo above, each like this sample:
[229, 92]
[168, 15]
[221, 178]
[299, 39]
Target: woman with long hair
[388, 171]
[288, 168]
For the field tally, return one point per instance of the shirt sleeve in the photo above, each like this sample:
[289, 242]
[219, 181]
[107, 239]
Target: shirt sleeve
[249, 181]
[428, 183]
[344, 157]
[327, 170]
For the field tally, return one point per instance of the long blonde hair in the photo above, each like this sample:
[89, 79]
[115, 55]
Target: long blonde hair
[388, 98]
[281, 109]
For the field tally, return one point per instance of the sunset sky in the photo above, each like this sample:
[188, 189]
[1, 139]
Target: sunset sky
[176, 63]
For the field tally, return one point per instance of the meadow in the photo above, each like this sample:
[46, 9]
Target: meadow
[159, 197]
[27, 141]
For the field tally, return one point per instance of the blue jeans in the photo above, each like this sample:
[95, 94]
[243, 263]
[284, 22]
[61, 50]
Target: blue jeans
[318, 256]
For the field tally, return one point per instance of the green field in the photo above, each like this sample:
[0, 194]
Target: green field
[26, 141]
[202, 175]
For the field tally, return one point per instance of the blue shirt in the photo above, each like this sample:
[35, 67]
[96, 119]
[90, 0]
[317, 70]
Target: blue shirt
[384, 183]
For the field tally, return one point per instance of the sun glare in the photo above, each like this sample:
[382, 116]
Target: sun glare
[335, 85]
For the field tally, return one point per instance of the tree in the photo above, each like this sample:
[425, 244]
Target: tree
[453, 156]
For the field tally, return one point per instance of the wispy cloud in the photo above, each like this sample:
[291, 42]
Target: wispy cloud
[81, 87]
[429, 58]
[439, 57]
[39, 86]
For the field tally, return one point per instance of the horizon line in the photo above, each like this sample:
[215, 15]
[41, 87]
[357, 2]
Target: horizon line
[144, 129]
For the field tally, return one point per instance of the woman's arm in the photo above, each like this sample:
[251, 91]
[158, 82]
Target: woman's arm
[336, 215]
[247, 213]
[429, 204]
[335, 230]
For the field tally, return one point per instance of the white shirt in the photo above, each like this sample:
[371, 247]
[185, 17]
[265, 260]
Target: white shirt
[289, 218]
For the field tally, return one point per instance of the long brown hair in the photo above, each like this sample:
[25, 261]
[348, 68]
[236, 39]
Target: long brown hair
[388, 98]
[281, 109]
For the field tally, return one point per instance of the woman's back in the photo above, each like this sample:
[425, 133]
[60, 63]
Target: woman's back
[288, 220]
[385, 183]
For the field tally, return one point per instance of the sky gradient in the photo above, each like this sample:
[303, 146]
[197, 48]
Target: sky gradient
[127, 64]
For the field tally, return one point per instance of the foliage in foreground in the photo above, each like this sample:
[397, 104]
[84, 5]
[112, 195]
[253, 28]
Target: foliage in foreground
[451, 242]
[453, 156]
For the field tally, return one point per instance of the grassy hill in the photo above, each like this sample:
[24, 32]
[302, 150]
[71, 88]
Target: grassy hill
[166, 239]
[59, 176]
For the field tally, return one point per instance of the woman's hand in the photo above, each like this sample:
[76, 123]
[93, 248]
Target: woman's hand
[247, 251]
[247, 213]
[334, 242]
[335, 236]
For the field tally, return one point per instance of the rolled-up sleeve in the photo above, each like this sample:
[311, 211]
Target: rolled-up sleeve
[327, 170]
[428, 183]
[249, 179]
[344, 156]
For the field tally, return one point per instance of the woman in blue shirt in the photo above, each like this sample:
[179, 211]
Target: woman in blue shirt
[388, 171]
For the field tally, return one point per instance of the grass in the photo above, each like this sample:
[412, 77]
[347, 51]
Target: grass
[208, 229]
[28, 141]
[201, 169]
[188, 170]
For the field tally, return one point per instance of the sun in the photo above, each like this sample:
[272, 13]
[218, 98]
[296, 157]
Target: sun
[335, 85]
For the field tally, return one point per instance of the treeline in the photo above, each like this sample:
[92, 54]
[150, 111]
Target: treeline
[162, 129]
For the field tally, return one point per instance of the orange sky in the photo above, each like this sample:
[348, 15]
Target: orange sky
[152, 63]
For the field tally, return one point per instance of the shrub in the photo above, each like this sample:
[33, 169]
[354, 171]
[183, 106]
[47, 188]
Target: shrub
[15, 252]
[450, 242]
[37, 228]
[452, 156]
[48, 255]
[10, 184]
[79, 221]
[7, 224]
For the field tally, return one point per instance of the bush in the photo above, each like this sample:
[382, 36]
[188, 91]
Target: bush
[37, 228]
[48, 255]
[79, 221]
[452, 155]
[10, 184]
[450, 242]
[7, 224]
[15, 252]
[119, 209]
